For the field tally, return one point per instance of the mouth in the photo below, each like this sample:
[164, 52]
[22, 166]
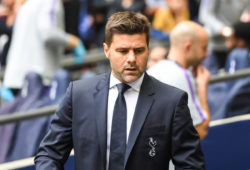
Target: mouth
[131, 69]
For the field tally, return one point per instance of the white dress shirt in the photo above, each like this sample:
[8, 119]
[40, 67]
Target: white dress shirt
[131, 97]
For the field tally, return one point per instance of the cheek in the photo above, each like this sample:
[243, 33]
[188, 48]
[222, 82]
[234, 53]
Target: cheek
[204, 53]
[143, 62]
[115, 63]
[118, 63]
[115, 59]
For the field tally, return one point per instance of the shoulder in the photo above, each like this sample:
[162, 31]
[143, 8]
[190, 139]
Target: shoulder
[165, 66]
[238, 52]
[168, 72]
[88, 83]
[166, 90]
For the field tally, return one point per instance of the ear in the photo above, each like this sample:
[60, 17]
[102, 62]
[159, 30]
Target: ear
[106, 50]
[187, 46]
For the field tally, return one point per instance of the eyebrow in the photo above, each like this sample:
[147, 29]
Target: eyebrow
[118, 48]
[140, 48]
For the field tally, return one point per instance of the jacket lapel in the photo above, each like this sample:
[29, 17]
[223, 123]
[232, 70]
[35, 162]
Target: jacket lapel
[100, 104]
[144, 103]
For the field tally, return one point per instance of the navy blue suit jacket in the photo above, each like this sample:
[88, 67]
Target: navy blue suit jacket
[161, 129]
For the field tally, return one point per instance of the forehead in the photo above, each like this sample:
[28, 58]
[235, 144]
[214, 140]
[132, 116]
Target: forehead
[129, 40]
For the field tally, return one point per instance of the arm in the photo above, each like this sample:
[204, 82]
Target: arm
[186, 150]
[202, 81]
[51, 28]
[50, 24]
[207, 16]
[57, 144]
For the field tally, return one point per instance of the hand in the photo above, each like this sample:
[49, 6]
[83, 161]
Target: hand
[79, 53]
[203, 77]
[73, 42]
[6, 94]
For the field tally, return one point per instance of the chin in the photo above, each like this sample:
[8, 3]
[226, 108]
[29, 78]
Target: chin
[130, 79]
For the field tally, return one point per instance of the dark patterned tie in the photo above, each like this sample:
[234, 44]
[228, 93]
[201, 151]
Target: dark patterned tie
[118, 131]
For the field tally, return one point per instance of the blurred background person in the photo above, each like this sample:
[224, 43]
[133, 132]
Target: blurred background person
[152, 6]
[231, 97]
[183, 69]
[7, 19]
[239, 43]
[218, 18]
[127, 5]
[38, 42]
[156, 54]
[93, 17]
[165, 19]
[237, 101]
[8, 12]
[94, 14]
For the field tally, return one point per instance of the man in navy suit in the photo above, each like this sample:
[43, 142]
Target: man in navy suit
[158, 122]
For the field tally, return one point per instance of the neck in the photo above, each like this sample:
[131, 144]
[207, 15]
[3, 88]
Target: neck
[178, 56]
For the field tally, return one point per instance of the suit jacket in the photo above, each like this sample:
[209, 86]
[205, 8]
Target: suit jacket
[161, 129]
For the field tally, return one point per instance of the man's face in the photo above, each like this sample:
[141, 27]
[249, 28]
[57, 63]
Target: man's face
[199, 50]
[128, 55]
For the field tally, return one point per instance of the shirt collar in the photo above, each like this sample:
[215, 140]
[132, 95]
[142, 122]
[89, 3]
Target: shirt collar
[136, 85]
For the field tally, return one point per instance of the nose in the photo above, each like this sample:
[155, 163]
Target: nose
[131, 57]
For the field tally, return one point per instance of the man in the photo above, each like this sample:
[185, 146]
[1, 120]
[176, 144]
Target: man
[188, 49]
[157, 54]
[154, 127]
[38, 43]
[239, 43]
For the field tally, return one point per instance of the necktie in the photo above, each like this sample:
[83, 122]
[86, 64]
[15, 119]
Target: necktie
[118, 131]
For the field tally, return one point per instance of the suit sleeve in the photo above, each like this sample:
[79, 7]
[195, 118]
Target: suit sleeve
[186, 150]
[57, 144]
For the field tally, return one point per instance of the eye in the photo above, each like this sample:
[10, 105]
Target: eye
[139, 50]
[122, 50]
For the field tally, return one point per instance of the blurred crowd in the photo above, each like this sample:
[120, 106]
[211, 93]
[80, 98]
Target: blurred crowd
[36, 34]
[84, 21]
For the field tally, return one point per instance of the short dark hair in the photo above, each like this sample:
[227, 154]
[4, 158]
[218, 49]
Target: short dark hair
[126, 23]
[242, 31]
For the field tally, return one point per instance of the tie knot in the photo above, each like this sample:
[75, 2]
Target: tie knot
[122, 87]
